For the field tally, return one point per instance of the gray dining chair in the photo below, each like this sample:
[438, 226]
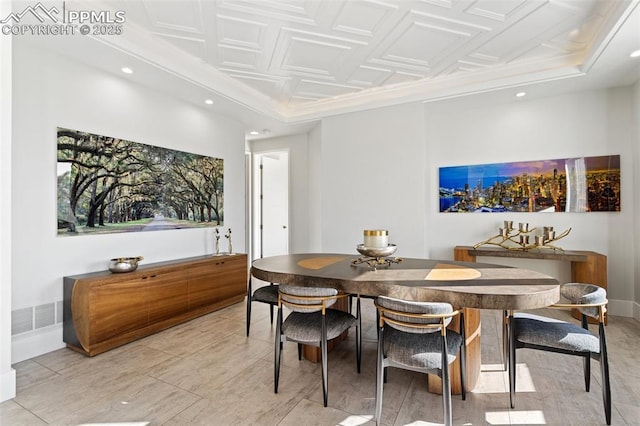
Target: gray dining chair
[266, 294]
[313, 322]
[414, 336]
[553, 335]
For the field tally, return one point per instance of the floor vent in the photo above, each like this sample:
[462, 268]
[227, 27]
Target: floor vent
[59, 311]
[21, 320]
[45, 315]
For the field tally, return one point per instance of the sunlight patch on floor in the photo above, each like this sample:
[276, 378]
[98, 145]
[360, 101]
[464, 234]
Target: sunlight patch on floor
[116, 424]
[524, 382]
[492, 368]
[492, 380]
[523, 417]
[355, 420]
[495, 380]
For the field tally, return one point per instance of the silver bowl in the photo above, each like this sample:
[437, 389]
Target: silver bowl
[124, 264]
[377, 252]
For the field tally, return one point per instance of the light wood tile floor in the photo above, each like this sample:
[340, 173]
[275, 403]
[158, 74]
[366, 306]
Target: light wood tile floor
[206, 372]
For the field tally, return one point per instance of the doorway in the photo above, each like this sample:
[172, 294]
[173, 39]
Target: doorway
[270, 213]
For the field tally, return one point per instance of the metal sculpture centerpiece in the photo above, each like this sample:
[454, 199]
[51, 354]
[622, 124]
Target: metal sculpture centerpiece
[376, 257]
[522, 239]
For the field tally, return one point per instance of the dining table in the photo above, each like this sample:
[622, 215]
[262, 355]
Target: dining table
[468, 286]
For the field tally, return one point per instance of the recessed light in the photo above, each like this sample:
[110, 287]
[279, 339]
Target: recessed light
[635, 54]
[254, 133]
[521, 94]
[126, 70]
[208, 102]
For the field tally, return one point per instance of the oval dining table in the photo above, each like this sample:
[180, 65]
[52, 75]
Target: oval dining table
[468, 286]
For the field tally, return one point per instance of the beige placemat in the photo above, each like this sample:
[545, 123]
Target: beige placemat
[320, 262]
[444, 272]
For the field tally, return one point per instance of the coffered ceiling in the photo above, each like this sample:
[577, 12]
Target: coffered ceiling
[300, 60]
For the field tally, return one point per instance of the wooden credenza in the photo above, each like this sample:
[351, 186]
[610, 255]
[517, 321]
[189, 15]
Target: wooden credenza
[103, 310]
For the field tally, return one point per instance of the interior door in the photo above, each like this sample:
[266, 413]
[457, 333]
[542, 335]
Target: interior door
[274, 205]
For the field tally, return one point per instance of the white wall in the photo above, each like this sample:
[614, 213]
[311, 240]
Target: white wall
[314, 187]
[583, 124]
[373, 177]
[50, 91]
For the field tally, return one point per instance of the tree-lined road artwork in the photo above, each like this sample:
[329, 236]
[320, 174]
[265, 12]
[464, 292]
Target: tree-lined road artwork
[107, 184]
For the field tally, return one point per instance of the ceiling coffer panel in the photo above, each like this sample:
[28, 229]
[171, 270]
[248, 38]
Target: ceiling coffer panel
[362, 18]
[238, 32]
[305, 54]
[497, 10]
[185, 17]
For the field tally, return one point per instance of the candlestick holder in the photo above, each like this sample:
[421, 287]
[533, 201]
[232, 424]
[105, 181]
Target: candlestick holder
[521, 239]
[228, 237]
[376, 257]
[217, 234]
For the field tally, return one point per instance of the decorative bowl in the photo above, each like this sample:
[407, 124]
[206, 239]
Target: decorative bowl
[124, 264]
[377, 251]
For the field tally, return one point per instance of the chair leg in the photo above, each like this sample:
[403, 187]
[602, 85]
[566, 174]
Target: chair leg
[299, 351]
[248, 306]
[380, 372]
[278, 349]
[271, 310]
[512, 363]
[586, 366]
[325, 373]
[446, 384]
[358, 335]
[463, 360]
[604, 368]
[586, 361]
[505, 339]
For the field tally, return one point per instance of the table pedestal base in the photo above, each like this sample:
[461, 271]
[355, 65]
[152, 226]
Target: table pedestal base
[472, 330]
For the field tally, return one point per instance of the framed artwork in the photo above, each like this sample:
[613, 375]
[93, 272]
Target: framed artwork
[584, 184]
[107, 184]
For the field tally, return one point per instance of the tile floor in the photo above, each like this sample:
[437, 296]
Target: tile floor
[206, 372]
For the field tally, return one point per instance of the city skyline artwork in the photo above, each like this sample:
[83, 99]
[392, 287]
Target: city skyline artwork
[581, 184]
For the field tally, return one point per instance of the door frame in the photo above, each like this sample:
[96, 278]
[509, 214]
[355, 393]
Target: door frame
[253, 200]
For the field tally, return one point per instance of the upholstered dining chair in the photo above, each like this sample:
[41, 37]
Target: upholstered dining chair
[414, 336]
[266, 294]
[552, 335]
[313, 322]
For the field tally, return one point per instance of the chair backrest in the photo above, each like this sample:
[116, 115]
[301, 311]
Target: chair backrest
[420, 314]
[307, 299]
[590, 294]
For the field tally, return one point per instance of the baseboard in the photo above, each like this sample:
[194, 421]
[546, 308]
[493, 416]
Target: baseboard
[623, 308]
[8, 385]
[29, 345]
